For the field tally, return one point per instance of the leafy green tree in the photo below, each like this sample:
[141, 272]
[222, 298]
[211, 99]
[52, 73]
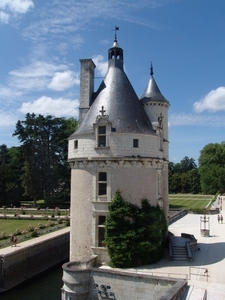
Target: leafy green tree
[175, 185]
[179, 176]
[45, 172]
[194, 181]
[10, 175]
[134, 235]
[212, 168]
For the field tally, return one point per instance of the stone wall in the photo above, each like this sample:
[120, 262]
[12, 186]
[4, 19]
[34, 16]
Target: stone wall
[30, 258]
[82, 281]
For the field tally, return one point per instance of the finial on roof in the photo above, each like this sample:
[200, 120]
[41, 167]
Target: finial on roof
[116, 28]
[151, 69]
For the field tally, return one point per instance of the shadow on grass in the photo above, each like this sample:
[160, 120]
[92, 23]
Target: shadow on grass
[174, 206]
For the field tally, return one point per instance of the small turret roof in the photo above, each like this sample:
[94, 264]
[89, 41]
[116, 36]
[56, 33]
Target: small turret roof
[152, 92]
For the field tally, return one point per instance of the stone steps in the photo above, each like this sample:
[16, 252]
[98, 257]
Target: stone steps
[179, 253]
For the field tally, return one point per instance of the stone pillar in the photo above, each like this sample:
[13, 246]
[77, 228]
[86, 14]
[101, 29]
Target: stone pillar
[76, 279]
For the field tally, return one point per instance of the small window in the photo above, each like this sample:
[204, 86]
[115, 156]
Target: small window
[102, 136]
[75, 144]
[102, 183]
[101, 230]
[135, 143]
[101, 220]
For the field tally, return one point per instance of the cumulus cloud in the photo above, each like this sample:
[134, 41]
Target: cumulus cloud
[4, 17]
[101, 65]
[63, 80]
[59, 107]
[214, 101]
[13, 8]
[7, 119]
[35, 77]
[17, 6]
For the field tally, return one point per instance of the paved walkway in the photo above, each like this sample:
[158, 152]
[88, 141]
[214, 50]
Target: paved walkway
[210, 256]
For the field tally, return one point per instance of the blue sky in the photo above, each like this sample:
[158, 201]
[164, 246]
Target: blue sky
[43, 40]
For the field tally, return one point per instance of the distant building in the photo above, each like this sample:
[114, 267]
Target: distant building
[121, 144]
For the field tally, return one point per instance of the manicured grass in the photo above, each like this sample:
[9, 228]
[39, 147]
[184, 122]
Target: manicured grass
[189, 201]
[10, 226]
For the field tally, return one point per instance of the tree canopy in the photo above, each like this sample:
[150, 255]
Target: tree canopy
[45, 171]
[184, 177]
[212, 168]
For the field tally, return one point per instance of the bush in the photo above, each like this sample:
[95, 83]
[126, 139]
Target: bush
[134, 236]
[34, 234]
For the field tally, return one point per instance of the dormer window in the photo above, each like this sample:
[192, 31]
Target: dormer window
[102, 129]
[102, 136]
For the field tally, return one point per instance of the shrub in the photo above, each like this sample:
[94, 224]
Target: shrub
[34, 234]
[134, 235]
[30, 228]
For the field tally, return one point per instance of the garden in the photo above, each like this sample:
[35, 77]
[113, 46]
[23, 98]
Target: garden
[25, 223]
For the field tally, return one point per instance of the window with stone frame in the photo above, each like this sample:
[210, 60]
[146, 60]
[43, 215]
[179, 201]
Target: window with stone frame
[101, 230]
[135, 143]
[102, 183]
[159, 183]
[101, 136]
[75, 144]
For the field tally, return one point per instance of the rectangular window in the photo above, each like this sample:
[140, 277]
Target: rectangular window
[135, 143]
[102, 183]
[101, 230]
[102, 136]
[75, 144]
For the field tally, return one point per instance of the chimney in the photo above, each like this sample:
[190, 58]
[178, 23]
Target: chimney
[86, 86]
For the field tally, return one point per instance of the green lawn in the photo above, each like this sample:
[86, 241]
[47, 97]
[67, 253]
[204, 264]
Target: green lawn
[189, 201]
[10, 226]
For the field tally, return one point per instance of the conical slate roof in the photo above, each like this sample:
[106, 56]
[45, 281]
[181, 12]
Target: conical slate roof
[152, 92]
[120, 103]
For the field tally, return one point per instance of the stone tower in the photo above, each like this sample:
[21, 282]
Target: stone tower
[121, 144]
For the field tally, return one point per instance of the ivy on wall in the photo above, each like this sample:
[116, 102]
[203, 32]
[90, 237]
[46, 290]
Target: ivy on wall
[134, 235]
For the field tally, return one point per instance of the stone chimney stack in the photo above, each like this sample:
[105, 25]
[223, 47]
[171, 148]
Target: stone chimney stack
[86, 86]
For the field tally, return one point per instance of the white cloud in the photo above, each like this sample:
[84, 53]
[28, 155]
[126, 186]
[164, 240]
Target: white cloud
[7, 118]
[63, 80]
[59, 107]
[183, 119]
[16, 6]
[101, 65]
[11, 9]
[4, 17]
[214, 101]
[33, 77]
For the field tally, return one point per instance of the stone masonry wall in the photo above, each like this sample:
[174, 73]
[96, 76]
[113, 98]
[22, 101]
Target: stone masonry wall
[21, 263]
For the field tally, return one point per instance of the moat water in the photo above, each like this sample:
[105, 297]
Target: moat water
[45, 287]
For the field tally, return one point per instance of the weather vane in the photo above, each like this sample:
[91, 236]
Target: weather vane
[116, 28]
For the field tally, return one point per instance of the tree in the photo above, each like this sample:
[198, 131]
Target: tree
[212, 168]
[10, 175]
[194, 181]
[134, 235]
[180, 180]
[45, 172]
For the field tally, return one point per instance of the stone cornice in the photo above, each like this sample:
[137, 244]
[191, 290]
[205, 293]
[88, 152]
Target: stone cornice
[138, 162]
